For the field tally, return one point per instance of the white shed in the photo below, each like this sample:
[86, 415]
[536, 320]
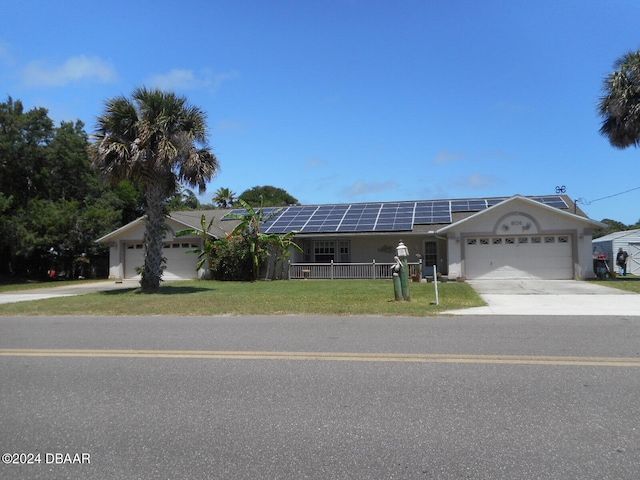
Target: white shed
[628, 240]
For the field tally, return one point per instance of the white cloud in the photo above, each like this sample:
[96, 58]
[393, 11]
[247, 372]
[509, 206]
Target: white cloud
[314, 163]
[229, 126]
[179, 79]
[361, 188]
[474, 181]
[447, 157]
[41, 74]
[5, 54]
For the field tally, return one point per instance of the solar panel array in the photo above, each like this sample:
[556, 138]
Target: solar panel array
[376, 217]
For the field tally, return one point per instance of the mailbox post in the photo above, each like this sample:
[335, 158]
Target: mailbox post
[403, 253]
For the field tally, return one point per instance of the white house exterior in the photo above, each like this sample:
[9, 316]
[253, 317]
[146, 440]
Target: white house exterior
[521, 238]
[628, 240]
[506, 237]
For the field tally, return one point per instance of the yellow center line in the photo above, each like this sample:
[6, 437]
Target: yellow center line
[330, 356]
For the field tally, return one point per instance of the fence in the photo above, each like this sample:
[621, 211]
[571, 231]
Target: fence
[335, 270]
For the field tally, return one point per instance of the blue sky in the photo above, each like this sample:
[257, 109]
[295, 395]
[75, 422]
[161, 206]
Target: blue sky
[342, 101]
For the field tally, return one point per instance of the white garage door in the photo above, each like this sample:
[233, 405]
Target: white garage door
[543, 256]
[179, 263]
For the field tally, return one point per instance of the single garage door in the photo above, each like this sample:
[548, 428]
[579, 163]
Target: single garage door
[179, 263]
[542, 256]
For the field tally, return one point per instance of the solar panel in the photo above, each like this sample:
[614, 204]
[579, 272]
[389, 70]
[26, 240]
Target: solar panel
[555, 201]
[292, 218]
[375, 217]
[395, 217]
[363, 216]
[432, 212]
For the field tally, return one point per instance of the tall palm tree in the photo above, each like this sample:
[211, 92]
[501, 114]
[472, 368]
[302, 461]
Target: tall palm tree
[224, 198]
[620, 106]
[160, 140]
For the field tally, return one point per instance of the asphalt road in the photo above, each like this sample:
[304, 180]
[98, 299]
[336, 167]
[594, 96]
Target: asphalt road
[509, 397]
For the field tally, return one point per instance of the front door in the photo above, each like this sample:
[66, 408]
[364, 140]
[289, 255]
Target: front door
[430, 257]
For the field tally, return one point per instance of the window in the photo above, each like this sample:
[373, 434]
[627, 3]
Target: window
[344, 251]
[484, 241]
[324, 251]
[563, 239]
[522, 240]
[497, 241]
[549, 239]
[536, 240]
[471, 241]
[509, 241]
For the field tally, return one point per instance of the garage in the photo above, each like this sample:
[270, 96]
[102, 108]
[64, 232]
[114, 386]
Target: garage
[519, 256]
[175, 254]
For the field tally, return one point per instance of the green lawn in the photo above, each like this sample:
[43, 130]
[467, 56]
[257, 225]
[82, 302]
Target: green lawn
[307, 297]
[630, 283]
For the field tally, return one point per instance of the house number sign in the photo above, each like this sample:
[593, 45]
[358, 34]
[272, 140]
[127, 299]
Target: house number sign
[517, 225]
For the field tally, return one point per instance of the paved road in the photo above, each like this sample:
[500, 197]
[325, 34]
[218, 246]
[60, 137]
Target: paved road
[476, 397]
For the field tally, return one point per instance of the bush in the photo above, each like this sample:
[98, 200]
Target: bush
[232, 260]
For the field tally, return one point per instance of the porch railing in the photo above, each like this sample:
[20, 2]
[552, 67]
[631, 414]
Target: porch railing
[335, 270]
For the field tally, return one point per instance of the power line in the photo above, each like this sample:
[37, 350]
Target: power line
[589, 202]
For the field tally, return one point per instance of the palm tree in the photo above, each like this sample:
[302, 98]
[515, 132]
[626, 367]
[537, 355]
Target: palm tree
[620, 106]
[160, 140]
[224, 198]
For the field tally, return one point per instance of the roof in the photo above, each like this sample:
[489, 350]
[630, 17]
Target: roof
[618, 235]
[419, 216]
[382, 217]
[532, 201]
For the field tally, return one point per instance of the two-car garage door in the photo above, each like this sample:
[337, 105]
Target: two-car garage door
[179, 264]
[541, 256]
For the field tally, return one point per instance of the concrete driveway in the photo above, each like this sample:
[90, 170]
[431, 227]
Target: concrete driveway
[551, 297]
[66, 290]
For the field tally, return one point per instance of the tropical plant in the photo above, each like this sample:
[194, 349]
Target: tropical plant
[183, 199]
[251, 221]
[620, 106]
[282, 245]
[233, 260]
[160, 140]
[207, 253]
[224, 198]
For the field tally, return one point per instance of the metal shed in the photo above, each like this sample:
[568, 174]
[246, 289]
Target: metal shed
[628, 240]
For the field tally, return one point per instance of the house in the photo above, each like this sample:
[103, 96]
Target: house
[628, 240]
[502, 237]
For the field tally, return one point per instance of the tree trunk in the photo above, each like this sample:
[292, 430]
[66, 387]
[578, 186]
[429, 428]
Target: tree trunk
[153, 238]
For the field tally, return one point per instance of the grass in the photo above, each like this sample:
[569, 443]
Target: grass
[322, 297]
[630, 283]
